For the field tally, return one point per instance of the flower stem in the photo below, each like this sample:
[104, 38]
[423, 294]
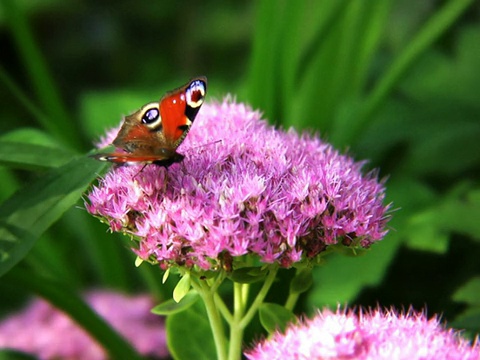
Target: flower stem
[216, 324]
[240, 318]
[291, 301]
[260, 297]
[223, 308]
[236, 331]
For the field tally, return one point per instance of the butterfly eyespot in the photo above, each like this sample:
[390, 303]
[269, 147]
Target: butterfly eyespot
[150, 116]
[195, 93]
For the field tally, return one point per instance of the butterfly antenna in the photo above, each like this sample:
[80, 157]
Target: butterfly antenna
[206, 144]
[138, 173]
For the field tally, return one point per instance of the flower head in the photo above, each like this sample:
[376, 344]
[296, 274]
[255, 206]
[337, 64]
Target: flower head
[372, 335]
[243, 188]
[44, 331]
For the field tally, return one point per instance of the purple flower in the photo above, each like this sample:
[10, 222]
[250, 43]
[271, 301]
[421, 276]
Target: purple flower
[244, 187]
[371, 335]
[44, 331]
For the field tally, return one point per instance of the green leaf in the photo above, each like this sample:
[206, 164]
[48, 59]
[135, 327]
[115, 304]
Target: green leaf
[469, 293]
[189, 335]
[424, 233]
[170, 306]
[342, 278]
[459, 212]
[165, 276]
[29, 156]
[33, 209]
[435, 151]
[248, 275]
[275, 317]
[469, 320]
[31, 136]
[182, 288]
[302, 281]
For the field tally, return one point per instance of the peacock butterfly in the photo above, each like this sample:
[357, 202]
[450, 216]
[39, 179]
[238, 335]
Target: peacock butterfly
[152, 134]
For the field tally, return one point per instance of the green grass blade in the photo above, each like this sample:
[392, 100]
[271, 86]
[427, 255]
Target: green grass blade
[34, 208]
[31, 156]
[105, 252]
[9, 183]
[7, 354]
[305, 28]
[264, 68]
[346, 131]
[322, 60]
[48, 259]
[59, 123]
[34, 110]
[65, 299]
[372, 30]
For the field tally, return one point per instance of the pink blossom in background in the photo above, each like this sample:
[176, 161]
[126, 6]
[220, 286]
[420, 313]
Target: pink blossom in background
[244, 187]
[371, 335]
[48, 333]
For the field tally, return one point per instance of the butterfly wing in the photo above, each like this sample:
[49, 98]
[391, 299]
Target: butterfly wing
[179, 107]
[153, 133]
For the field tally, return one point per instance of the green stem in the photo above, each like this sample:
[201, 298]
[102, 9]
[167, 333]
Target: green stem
[236, 330]
[291, 301]
[217, 282]
[227, 315]
[260, 297]
[238, 321]
[241, 319]
[216, 324]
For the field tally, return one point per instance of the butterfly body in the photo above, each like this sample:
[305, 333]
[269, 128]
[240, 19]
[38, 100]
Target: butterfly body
[152, 134]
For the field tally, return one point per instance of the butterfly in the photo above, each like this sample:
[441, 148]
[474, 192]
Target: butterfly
[152, 134]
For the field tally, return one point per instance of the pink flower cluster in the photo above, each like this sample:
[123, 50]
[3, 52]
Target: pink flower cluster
[244, 187]
[47, 333]
[374, 335]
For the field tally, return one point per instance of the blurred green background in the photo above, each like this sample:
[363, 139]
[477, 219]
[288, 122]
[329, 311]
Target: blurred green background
[394, 82]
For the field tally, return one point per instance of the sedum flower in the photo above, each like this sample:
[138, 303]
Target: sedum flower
[244, 187]
[48, 333]
[372, 335]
